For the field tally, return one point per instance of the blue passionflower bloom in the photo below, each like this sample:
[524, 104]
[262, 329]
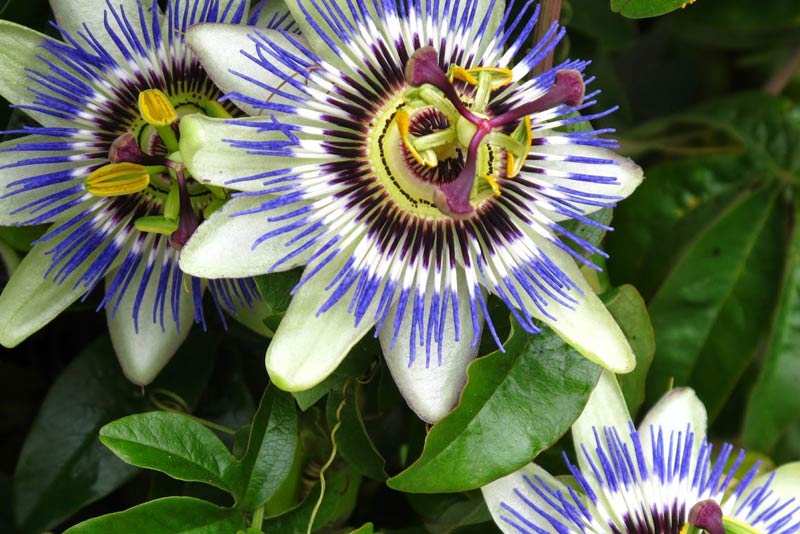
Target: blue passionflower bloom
[663, 478]
[105, 171]
[406, 153]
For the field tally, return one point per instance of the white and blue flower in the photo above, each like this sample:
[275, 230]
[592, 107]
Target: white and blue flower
[406, 154]
[664, 478]
[103, 168]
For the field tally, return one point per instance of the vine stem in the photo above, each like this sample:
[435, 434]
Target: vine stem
[182, 408]
[550, 13]
[332, 457]
[777, 83]
[258, 520]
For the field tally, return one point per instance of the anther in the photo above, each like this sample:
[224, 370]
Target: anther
[156, 109]
[116, 179]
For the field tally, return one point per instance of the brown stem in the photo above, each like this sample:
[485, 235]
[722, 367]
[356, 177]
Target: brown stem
[781, 77]
[550, 12]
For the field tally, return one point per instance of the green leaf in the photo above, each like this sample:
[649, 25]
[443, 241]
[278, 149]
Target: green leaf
[172, 443]
[270, 451]
[171, 515]
[337, 503]
[716, 301]
[651, 225]
[630, 311]
[462, 513]
[638, 9]
[21, 237]
[352, 440]
[354, 365]
[367, 528]
[762, 123]
[593, 18]
[743, 24]
[63, 466]
[774, 404]
[677, 198]
[276, 290]
[513, 406]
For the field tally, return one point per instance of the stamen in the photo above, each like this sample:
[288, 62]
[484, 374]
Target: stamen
[403, 121]
[157, 110]
[524, 136]
[116, 179]
[156, 224]
[708, 516]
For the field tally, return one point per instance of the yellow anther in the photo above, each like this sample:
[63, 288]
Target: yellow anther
[498, 76]
[156, 109]
[523, 134]
[492, 182]
[403, 120]
[460, 73]
[117, 179]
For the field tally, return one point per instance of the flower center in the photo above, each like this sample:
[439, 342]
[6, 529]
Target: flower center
[146, 160]
[441, 152]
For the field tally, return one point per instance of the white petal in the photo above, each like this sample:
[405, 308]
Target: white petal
[229, 8]
[676, 409]
[589, 327]
[430, 389]
[441, 31]
[9, 155]
[224, 245]
[30, 301]
[208, 154]
[273, 14]
[225, 50]
[627, 175]
[606, 407]
[504, 491]
[143, 353]
[19, 47]
[308, 347]
[785, 486]
[72, 15]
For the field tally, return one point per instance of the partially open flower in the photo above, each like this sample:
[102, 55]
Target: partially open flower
[411, 160]
[105, 169]
[661, 479]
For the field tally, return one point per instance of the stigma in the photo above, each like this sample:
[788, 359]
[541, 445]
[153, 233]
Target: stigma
[472, 130]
